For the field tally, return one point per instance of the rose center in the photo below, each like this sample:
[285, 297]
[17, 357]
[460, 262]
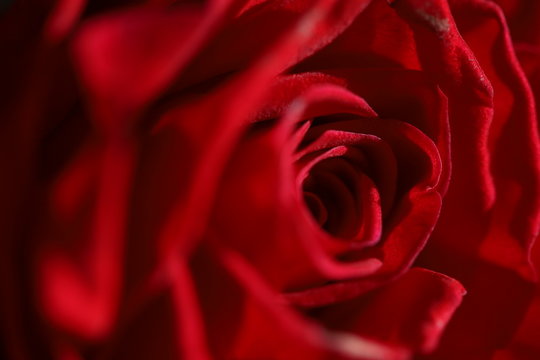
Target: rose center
[331, 194]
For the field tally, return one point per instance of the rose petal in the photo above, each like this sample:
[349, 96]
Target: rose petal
[493, 245]
[377, 38]
[245, 304]
[411, 311]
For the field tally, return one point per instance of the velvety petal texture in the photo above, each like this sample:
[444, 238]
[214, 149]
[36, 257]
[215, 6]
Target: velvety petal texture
[499, 245]
[269, 179]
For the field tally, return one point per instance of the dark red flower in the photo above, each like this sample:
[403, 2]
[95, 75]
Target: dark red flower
[234, 179]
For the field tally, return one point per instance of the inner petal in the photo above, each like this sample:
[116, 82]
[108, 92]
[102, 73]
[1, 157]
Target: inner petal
[338, 200]
[366, 152]
[316, 207]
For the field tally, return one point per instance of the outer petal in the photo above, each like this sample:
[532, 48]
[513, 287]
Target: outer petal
[522, 17]
[32, 111]
[525, 344]
[377, 38]
[489, 206]
[411, 312]
[251, 321]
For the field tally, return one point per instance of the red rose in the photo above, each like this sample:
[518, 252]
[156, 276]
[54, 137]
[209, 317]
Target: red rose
[267, 180]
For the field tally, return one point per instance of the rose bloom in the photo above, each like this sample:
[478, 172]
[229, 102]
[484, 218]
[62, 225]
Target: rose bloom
[269, 179]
